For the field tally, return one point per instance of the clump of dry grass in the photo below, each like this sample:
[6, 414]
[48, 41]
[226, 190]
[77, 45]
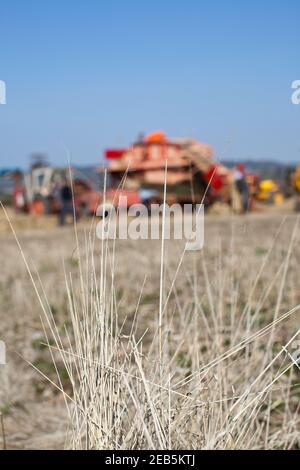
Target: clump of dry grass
[194, 352]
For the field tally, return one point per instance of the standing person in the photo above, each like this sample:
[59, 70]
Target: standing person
[66, 201]
[242, 185]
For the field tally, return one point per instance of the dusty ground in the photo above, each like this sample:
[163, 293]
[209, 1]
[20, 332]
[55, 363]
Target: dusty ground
[33, 411]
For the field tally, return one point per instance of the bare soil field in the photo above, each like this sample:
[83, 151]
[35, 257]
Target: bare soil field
[121, 346]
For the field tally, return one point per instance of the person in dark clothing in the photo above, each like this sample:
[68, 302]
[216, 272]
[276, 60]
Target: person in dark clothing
[66, 202]
[242, 185]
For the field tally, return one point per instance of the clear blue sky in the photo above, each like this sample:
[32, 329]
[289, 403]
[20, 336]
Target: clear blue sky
[90, 74]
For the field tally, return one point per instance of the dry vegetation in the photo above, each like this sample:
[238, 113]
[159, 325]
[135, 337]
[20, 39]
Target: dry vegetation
[200, 357]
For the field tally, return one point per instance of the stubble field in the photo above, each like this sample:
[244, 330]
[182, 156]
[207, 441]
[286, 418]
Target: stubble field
[123, 346]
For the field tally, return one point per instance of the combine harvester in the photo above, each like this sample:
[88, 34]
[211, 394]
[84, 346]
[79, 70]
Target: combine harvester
[135, 175]
[193, 175]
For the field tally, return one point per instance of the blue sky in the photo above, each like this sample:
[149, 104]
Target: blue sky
[86, 75]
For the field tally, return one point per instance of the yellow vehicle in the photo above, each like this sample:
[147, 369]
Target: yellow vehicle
[295, 178]
[269, 191]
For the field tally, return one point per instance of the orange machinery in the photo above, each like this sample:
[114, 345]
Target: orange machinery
[191, 169]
